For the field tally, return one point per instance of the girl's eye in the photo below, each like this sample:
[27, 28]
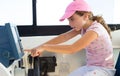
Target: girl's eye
[71, 19]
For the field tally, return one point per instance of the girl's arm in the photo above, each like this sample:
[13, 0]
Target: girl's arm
[59, 39]
[77, 46]
[63, 37]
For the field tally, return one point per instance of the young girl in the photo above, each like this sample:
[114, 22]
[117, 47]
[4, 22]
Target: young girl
[96, 40]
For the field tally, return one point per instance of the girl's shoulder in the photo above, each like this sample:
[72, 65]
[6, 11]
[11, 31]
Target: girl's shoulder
[96, 27]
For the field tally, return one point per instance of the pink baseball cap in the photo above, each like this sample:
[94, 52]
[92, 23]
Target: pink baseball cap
[76, 5]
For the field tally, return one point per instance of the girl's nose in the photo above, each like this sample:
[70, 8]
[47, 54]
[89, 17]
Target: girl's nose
[70, 23]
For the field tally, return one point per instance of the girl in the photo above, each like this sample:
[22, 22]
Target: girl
[96, 40]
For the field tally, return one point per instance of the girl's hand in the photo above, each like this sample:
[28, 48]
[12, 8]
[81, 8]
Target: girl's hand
[35, 51]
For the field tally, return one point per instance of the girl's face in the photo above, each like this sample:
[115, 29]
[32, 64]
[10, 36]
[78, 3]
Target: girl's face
[77, 22]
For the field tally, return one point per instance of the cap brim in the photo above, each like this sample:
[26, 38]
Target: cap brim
[66, 15]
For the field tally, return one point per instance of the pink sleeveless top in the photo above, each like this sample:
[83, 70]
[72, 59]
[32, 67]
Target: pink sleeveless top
[100, 51]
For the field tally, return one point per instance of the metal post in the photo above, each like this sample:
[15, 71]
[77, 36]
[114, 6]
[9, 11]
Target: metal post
[34, 12]
[36, 66]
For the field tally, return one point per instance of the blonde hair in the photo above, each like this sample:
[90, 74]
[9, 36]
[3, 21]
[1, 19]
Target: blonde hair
[96, 18]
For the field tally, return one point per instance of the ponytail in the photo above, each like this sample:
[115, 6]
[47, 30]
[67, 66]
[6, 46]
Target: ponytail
[102, 21]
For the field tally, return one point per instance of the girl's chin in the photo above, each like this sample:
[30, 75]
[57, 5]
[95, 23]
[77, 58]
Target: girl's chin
[76, 29]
